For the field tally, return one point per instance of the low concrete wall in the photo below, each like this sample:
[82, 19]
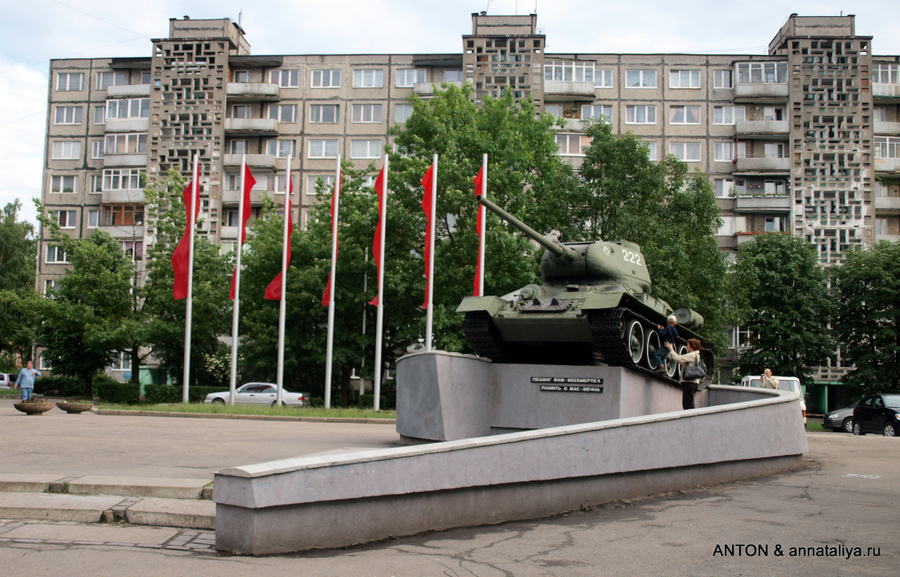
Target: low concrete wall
[338, 500]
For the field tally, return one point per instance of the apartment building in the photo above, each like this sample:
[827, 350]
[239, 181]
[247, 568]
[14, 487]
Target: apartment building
[804, 139]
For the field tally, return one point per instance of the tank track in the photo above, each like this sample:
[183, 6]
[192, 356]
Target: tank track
[483, 337]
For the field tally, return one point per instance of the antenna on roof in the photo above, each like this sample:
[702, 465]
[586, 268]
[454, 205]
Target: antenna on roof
[488, 7]
[240, 13]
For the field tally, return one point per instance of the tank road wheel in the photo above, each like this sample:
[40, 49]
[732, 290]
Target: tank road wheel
[633, 336]
[676, 368]
[651, 344]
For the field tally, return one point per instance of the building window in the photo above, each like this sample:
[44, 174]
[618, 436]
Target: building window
[569, 144]
[554, 110]
[771, 113]
[640, 114]
[122, 215]
[364, 78]
[453, 75]
[775, 224]
[651, 149]
[125, 144]
[366, 113]
[409, 77]
[280, 148]
[881, 226]
[599, 112]
[242, 111]
[105, 79]
[603, 78]
[66, 150]
[243, 76]
[684, 114]
[65, 218]
[326, 78]
[402, 111]
[283, 112]
[324, 113]
[55, 254]
[775, 150]
[728, 114]
[879, 114]
[100, 114]
[313, 180]
[93, 218]
[724, 187]
[231, 218]
[239, 147]
[69, 114]
[881, 190]
[568, 71]
[886, 73]
[96, 184]
[122, 179]
[122, 362]
[762, 72]
[365, 148]
[323, 148]
[285, 78]
[128, 108]
[728, 151]
[684, 79]
[63, 183]
[68, 81]
[686, 151]
[723, 79]
[640, 78]
[775, 187]
[741, 338]
[887, 147]
[97, 149]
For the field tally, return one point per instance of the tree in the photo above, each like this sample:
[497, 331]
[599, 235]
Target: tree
[671, 214]
[780, 295]
[17, 251]
[867, 324]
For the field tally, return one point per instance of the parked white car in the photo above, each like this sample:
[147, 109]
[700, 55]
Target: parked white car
[784, 384]
[259, 394]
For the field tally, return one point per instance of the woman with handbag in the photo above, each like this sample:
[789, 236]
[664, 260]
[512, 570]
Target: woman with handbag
[689, 360]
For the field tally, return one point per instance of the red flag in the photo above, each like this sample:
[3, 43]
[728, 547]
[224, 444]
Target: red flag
[479, 184]
[249, 181]
[427, 184]
[326, 298]
[273, 291]
[181, 256]
[376, 243]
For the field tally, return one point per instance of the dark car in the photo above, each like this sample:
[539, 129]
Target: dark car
[877, 414]
[840, 420]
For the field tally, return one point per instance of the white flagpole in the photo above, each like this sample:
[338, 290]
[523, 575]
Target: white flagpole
[185, 396]
[379, 316]
[334, 246]
[281, 312]
[481, 243]
[429, 315]
[237, 285]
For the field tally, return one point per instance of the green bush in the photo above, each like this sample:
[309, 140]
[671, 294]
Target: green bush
[119, 393]
[367, 401]
[162, 394]
[58, 386]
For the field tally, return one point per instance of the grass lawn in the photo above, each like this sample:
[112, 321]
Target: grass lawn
[209, 408]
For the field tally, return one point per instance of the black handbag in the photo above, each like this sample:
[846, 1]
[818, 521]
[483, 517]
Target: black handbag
[692, 372]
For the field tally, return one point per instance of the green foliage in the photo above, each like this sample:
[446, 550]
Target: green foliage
[867, 324]
[124, 393]
[780, 295]
[162, 394]
[18, 250]
[59, 385]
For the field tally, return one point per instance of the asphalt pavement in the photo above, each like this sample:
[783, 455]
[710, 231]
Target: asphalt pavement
[835, 515]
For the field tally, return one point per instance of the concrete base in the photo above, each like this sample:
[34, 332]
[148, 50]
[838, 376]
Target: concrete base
[448, 396]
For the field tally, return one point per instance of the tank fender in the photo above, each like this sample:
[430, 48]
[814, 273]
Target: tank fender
[601, 300]
[491, 304]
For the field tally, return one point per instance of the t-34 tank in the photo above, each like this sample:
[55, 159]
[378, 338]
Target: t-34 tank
[593, 307]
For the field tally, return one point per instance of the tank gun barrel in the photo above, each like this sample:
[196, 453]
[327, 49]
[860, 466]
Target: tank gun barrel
[556, 249]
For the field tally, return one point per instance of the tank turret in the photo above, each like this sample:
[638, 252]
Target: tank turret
[593, 306]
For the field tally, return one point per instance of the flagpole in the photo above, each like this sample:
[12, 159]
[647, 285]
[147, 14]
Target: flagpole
[481, 242]
[379, 316]
[429, 315]
[281, 311]
[237, 285]
[334, 245]
[185, 395]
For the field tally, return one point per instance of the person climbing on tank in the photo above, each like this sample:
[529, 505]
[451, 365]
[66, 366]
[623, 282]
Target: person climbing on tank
[667, 334]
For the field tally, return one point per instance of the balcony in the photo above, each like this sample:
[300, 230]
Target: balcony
[128, 90]
[762, 204]
[428, 88]
[233, 196]
[766, 91]
[886, 91]
[253, 160]
[888, 237]
[116, 160]
[127, 124]
[556, 91]
[128, 231]
[752, 129]
[122, 196]
[252, 92]
[251, 126]
[887, 165]
[886, 128]
[887, 204]
[229, 232]
[762, 164]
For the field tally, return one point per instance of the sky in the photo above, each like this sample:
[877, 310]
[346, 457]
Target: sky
[35, 31]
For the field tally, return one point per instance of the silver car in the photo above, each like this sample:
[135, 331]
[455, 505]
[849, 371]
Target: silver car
[259, 394]
[840, 420]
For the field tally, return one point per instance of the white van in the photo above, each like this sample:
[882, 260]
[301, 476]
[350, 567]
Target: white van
[784, 384]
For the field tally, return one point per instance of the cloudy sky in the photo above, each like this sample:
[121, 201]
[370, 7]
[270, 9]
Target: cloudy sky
[36, 31]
